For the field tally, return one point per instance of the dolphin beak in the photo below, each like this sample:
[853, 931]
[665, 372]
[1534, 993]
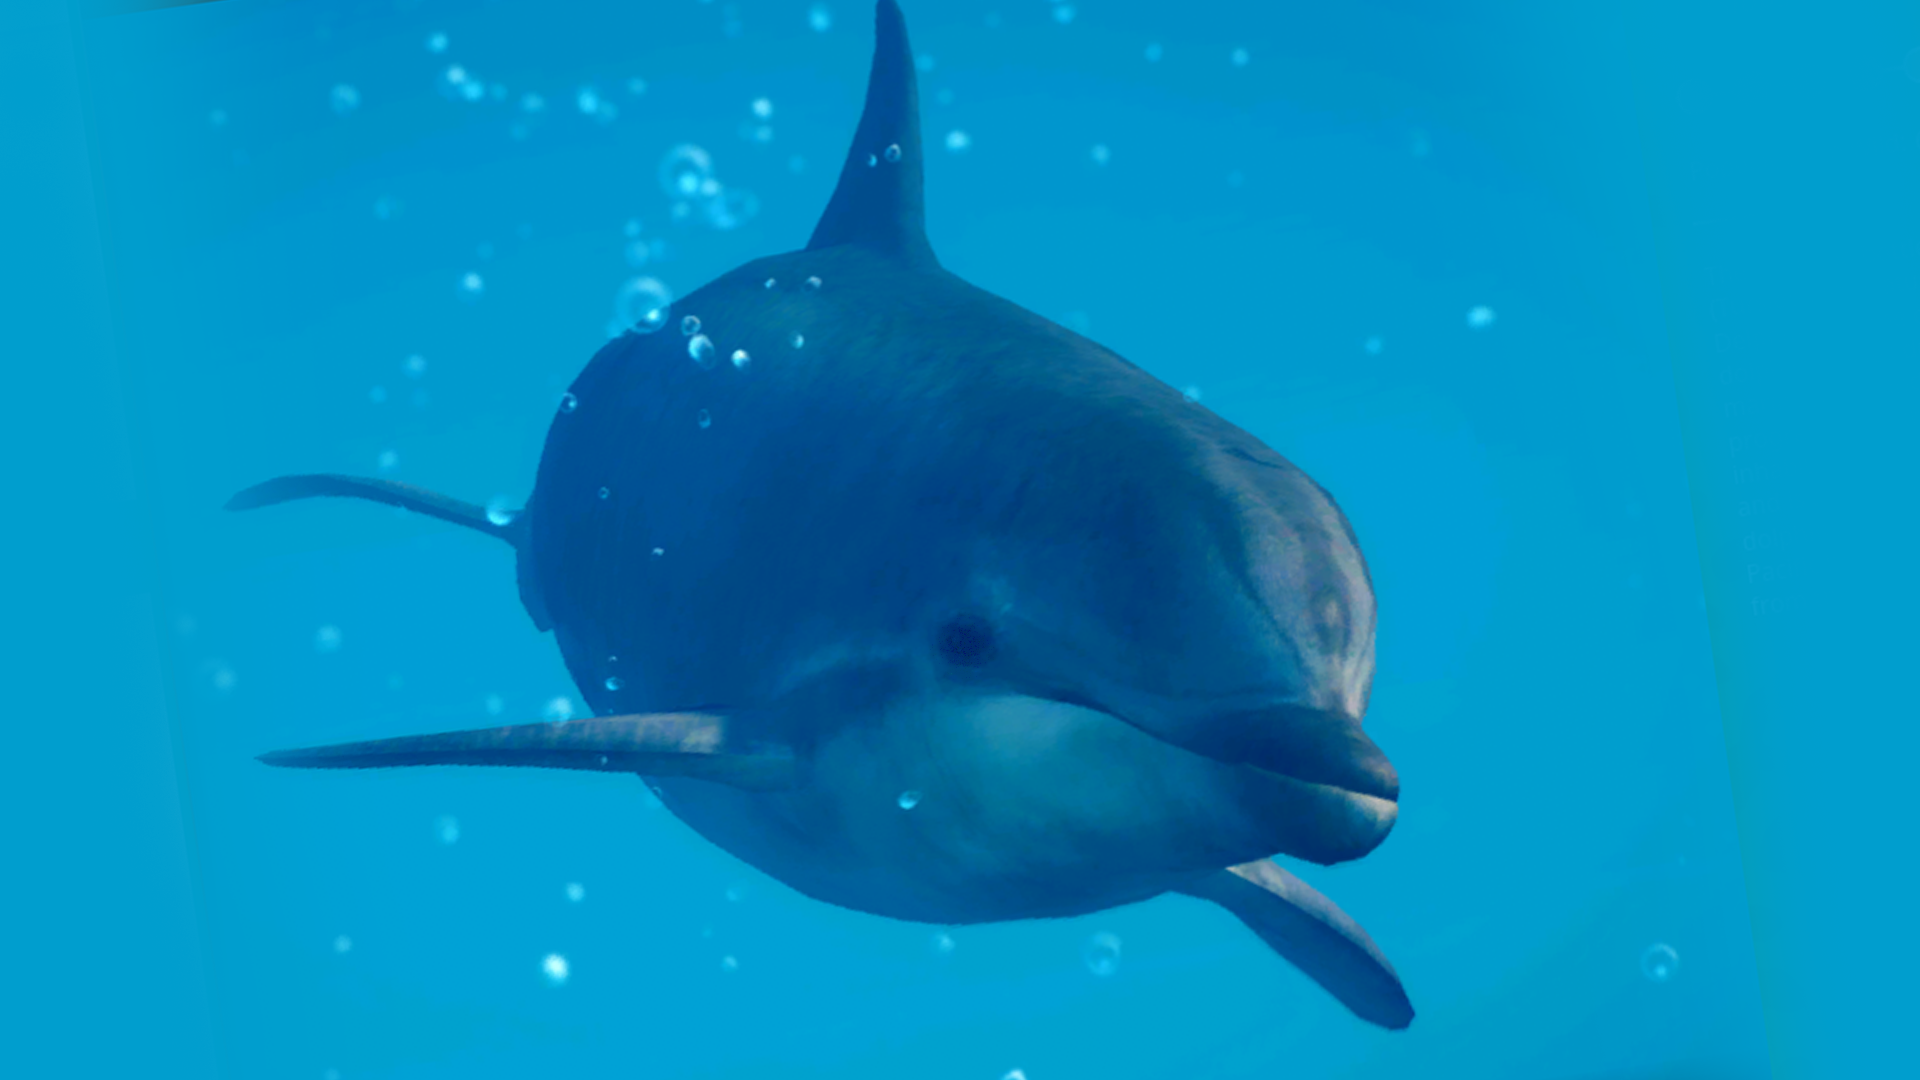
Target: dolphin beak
[1321, 746]
[1331, 792]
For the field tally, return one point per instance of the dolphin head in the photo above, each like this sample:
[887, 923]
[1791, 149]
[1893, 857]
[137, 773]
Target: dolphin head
[1168, 570]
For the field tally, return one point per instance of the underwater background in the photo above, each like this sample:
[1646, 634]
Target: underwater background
[1408, 253]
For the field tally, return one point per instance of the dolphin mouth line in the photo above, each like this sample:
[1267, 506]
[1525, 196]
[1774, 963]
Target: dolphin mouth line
[1368, 793]
[1319, 747]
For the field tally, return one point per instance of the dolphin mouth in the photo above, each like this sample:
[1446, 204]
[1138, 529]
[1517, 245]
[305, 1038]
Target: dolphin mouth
[1328, 792]
[1334, 789]
[1318, 746]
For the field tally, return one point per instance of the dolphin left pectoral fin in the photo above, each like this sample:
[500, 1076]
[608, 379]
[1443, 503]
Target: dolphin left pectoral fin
[696, 745]
[405, 496]
[1314, 935]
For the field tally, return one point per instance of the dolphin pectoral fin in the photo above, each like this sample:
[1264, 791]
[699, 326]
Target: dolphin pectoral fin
[1312, 934]
[702, 746]
[407, 497]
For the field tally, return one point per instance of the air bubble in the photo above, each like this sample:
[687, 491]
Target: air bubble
[1659, 963]
[643, 304]
[1101, 954]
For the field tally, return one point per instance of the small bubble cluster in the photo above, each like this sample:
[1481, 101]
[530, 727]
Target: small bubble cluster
[686, 172]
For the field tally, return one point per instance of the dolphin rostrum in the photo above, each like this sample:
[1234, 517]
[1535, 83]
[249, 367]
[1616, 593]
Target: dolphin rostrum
[931, 608]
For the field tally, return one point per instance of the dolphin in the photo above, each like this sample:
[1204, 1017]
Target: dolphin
[931, 608]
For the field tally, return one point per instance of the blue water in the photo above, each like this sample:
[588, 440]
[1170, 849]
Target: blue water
[1407, 249]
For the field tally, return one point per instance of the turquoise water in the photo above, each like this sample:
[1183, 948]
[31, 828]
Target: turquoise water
[1403, 250]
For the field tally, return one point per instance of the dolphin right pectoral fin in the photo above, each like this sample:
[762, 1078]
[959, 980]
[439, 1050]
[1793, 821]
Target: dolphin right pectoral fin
[696, 745]
[1312, 934]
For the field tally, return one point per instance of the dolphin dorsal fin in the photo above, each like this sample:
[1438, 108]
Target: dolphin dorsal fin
[879, 202]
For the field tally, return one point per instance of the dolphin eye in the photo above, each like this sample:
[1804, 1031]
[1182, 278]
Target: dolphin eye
[966, 640]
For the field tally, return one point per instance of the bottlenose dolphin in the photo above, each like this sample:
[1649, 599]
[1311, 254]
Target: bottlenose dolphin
[931, 608]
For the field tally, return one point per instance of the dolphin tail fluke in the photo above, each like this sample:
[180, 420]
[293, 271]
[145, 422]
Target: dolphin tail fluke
[407, 497]
[696, 745]
[1312, 934]
[879, 202]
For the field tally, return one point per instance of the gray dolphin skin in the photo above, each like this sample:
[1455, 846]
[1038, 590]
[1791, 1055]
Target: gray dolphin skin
[931, 608]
